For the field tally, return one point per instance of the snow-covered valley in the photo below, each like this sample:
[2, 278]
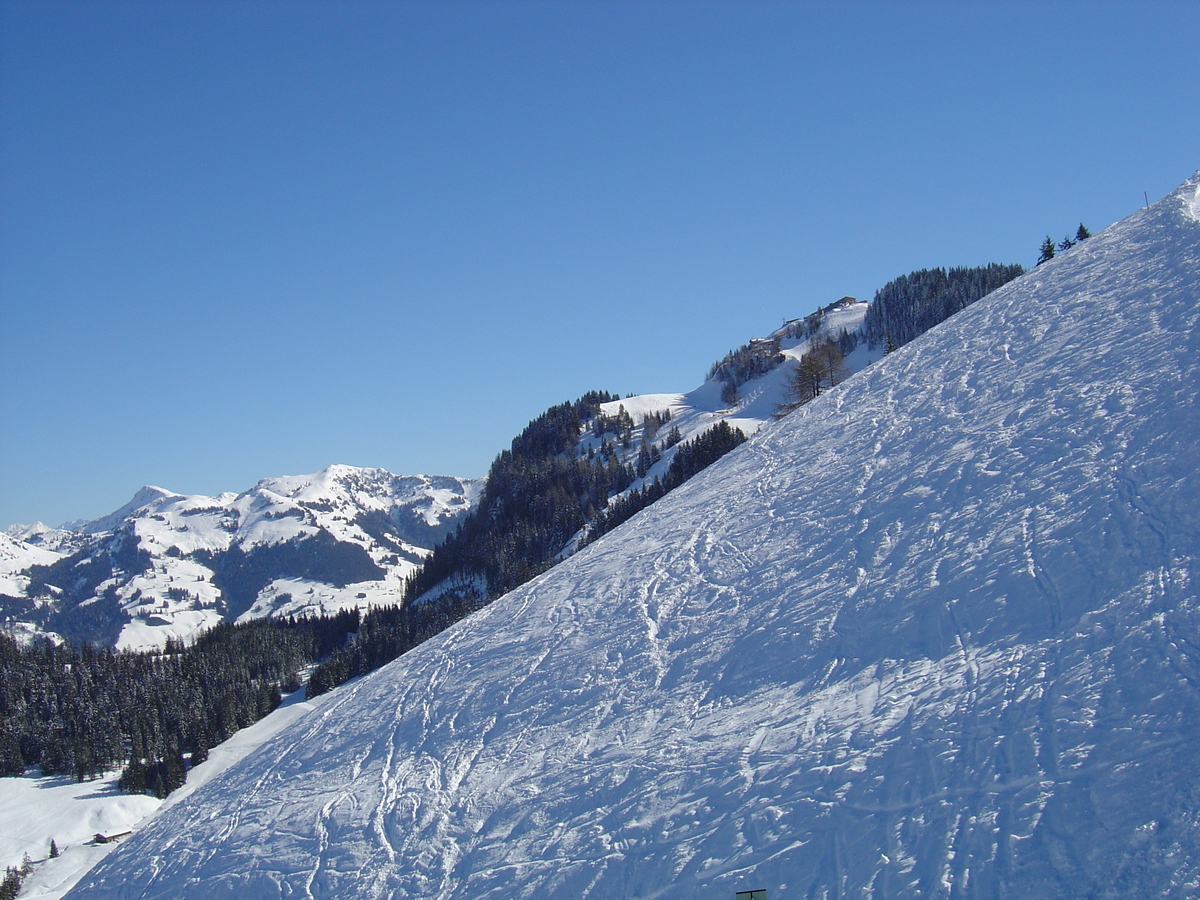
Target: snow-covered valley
[933, 634]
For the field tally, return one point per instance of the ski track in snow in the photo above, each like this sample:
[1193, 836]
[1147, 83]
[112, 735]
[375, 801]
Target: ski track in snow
[934, 634]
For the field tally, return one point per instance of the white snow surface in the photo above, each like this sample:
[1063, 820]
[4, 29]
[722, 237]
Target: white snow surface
[35, 811]
[933, 634]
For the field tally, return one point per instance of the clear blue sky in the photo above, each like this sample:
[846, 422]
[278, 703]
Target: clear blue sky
[246, 239]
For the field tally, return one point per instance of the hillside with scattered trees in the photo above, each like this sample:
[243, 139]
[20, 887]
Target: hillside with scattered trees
[541, 495]
[747, 362]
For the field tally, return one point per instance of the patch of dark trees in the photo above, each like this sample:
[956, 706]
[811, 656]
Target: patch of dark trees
[75, 578]
[240, 574]
[538, 495]
[386, 633]
[744, 364]
[80, 711]
[1048, 248]
[10, 886]
[912, 304]
[691, 458]
[822, 366]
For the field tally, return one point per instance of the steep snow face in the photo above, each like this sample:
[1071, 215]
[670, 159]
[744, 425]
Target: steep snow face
[933, 634]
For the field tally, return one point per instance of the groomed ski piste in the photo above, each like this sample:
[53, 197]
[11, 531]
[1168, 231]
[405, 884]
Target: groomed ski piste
[933, 634]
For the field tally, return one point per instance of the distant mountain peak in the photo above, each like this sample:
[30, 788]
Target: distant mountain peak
[145, 496]
[22, 532]
[343, 537]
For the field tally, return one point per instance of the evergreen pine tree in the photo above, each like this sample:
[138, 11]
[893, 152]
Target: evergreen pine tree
[174, 771]
[53, 849]
[133, 778]
[1082, 234]
[643, 460]
[11, 884]
[1048, 248]
[200, 753]
[12, 763]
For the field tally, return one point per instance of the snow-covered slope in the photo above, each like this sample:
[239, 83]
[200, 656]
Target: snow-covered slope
[934, 634]
[43, 537]
[15, 557]
[758, 399]
[168, 565]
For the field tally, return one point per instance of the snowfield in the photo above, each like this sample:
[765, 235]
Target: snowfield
[933, 634]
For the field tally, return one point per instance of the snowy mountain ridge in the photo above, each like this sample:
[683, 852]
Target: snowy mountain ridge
[759, 398]
[170, 565]
[934, 634]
